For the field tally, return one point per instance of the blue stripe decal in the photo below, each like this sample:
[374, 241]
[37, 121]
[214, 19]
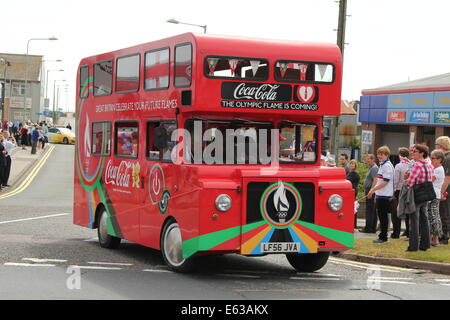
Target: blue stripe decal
[257, 250]
[295, 237]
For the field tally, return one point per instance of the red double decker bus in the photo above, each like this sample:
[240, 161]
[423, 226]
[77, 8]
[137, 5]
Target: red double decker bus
[200, 144]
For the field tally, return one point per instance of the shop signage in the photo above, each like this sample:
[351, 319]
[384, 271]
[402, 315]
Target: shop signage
[420, 117]
[397, 116]
[442, 117]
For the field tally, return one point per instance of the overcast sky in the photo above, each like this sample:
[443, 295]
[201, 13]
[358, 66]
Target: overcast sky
[388, 41]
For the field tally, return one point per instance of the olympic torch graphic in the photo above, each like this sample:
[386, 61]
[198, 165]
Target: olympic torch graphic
[281, 203]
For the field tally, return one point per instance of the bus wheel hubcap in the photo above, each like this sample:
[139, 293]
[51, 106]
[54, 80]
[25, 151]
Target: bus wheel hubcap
[172, 245]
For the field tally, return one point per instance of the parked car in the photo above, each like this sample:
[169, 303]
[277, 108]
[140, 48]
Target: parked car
[61, 135]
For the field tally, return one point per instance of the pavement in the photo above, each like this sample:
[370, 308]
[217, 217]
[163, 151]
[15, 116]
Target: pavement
[23, 162]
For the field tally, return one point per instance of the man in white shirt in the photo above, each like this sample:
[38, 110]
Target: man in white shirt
[9, 144]
[383, 190]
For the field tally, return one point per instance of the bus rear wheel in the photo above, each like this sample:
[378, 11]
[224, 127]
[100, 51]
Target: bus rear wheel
[106, 240]
[171, 249]
[309, 262]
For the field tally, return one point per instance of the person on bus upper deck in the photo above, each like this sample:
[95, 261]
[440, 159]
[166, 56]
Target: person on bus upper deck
[383, 190]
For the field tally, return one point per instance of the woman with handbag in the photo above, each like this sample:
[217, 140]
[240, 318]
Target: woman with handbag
[420, 178]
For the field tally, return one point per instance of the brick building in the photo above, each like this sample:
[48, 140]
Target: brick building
[17, 107]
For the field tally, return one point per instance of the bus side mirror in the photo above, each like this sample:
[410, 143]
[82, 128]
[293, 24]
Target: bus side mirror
[160, 140]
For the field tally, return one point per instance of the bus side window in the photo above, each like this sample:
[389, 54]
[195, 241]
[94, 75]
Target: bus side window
[168, 152]
[84, 82]
[127, 139]
[153, 153]
[183, 65]
[101, 138]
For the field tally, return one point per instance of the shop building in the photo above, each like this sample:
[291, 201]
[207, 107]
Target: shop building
[405, 113]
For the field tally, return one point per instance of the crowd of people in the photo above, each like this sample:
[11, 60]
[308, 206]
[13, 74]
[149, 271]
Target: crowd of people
[414, 190]
[15, 134]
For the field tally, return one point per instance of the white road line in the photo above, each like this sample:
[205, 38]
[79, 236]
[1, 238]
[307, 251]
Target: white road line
[14, 264]
[91, 239]
[368, 265]
[315, 278]
[156, 270]
[389, 278]
[111, 263]
[442, 280]
[239, 276]
[393, 281]
[43, 260]
[318, 274]
[35, 218]
[96, 268]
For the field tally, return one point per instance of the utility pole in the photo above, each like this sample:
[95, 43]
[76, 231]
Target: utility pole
[341, 26]
[341, 45]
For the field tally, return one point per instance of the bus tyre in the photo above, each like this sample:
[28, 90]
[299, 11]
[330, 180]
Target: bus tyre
[106, 240]
[309, 262]
[171, 249]
[66, 141]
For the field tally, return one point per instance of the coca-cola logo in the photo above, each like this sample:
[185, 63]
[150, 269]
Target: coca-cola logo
[120, 175]
[256, 91]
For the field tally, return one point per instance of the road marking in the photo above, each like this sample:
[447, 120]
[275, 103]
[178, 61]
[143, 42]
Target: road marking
[96, 268]
[43, 260]
[389, 278]
[318, 274]
[392, 281]
[14, 264]
[368, 265]
[315, 278]
[35, 218]
[239, 276]
[156, 270]
[442, 280]
[91, 239]
[27, 181]
[111, 263]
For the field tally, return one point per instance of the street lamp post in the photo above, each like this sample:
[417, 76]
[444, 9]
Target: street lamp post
[54, 90]
[6, 64]
[26, 74]
[46, 82]
[189, 24]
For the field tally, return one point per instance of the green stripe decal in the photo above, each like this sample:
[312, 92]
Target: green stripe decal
[345, 238]
[213, 239]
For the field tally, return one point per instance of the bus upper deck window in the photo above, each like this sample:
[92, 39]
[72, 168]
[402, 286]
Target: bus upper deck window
[302, 71]
[84, 81]
[183, 65]
[236, 68]
[127, 75]
[157, 69]
[103, 78]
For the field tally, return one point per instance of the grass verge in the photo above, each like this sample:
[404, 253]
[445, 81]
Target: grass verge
[395, 248]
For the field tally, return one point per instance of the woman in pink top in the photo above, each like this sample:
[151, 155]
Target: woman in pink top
[421, 172]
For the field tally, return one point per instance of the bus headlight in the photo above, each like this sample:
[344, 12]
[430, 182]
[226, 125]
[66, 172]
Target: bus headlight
[335, 202]
[223, 202]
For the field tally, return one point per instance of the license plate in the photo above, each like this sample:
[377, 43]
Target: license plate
[279, 247]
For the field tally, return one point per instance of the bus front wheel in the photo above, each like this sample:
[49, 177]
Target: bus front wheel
[171, 249]
[309, 262]
[106, 240]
